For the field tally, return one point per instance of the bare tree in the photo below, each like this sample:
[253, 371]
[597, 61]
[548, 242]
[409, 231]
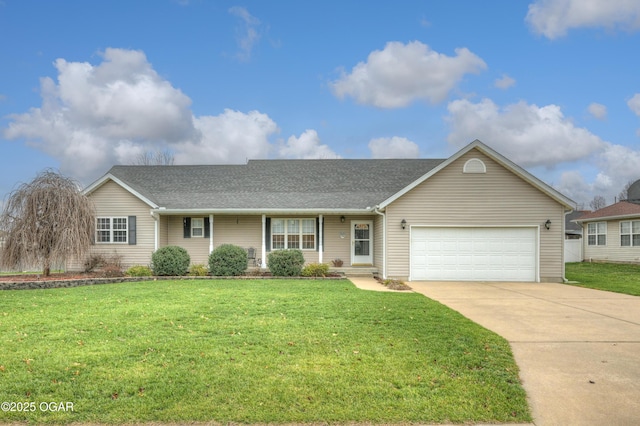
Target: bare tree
[45, 222]
[598, 202]
[624, 194]
[155, 158]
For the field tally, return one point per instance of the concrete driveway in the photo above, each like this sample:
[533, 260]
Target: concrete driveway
[578, 349]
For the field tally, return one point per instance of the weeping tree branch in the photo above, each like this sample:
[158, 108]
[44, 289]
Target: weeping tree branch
[45, 222]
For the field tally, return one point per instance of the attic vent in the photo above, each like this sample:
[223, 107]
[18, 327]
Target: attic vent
[474, 166]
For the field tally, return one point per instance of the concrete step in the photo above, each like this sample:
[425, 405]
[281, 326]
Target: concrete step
[356, 271]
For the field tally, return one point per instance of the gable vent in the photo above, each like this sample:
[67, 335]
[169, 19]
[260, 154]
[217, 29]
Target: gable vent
[474, 165]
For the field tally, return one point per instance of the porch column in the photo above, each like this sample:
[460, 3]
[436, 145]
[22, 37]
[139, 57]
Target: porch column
[210, 233]
[320, 247]
[156, 231]
[264, 242]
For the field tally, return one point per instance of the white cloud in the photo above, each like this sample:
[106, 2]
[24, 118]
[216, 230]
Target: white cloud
[247, 34]
[616, 164]
[634, 104]
[394, 147]
[99, 115]
[504, 82]
[231, 137]
[553, 18]
[598, 111]
[307, 146]
[527, 134]
[401, 74]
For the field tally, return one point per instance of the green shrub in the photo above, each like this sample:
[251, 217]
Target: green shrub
[171, 261]
[228, 260]
[315, 270]
[285, 263]
[198, 270]
[139, 271]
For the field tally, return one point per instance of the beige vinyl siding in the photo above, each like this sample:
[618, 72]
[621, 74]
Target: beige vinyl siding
[495, 198]
[111, 200]
[337, 238]
[197, 247]
[163, 230]
[613, 251]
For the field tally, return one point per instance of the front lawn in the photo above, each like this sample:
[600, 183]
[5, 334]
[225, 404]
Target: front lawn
[617, 277]
[254, 351]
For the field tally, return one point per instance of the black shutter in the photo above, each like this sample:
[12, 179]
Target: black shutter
[132, 230]
[267, 231]
[207, 228]
[186, 223]
[318, 234]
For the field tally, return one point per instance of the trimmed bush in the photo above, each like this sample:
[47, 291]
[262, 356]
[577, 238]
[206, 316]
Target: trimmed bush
[139, 271]
[228, 260]
[285, 263]
[171, 260]
[315, 270]
[198, 270]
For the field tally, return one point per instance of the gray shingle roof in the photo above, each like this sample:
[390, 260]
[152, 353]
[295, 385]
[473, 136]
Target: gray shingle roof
[275, 184]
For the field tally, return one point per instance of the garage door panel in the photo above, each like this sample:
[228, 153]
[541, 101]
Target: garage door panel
[475, 254]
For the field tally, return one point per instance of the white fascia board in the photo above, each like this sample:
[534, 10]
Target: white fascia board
[164, 211]
[314, 212]
[607, 218]
[104, 179]
[519, 171]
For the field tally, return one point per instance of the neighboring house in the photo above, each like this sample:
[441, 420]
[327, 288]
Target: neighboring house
[573, 237]
[612, 234]
[473, 216]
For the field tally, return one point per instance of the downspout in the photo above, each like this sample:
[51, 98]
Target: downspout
[376, 209]
[564, 235]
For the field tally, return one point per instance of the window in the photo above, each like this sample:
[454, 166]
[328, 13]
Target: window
[111, 230]
[293, 234]
[630, 233]
[197, 227]
[597, 234]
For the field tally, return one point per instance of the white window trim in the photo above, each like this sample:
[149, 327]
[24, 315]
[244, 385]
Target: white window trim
[630, 233]
[111, 230]
[193, 221]
[300, 233]
[597, 234]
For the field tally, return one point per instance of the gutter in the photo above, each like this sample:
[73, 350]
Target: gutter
[314, 212]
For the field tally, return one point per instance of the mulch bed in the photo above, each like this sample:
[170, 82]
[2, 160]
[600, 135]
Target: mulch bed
[53, 277]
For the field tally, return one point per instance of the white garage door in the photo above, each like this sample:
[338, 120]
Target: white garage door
[474, 254]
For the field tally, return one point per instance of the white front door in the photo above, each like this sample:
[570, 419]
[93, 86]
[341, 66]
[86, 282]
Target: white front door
[362, 242]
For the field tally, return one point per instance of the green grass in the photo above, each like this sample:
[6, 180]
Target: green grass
[617, 277]
[256, 351]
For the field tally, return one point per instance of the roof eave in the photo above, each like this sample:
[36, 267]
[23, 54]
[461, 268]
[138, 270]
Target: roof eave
[104, 179]
[256, 211]
[605, 218]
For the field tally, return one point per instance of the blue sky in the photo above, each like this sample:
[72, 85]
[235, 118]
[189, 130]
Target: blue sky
[551, 84]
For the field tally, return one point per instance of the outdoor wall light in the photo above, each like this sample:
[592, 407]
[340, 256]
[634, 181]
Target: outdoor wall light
[403, 224]
[547, 224]
[342, 219]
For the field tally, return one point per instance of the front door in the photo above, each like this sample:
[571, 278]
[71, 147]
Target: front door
[362, 242]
